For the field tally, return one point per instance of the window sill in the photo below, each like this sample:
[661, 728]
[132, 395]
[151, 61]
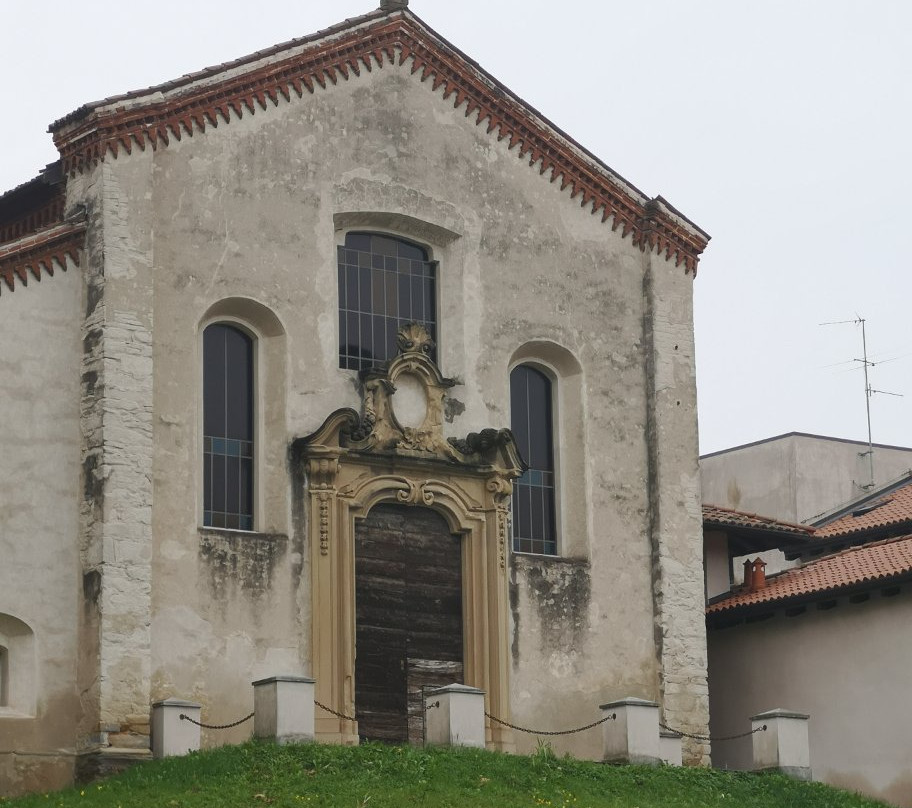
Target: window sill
[559, 559]
[231, 533]
[10, 713]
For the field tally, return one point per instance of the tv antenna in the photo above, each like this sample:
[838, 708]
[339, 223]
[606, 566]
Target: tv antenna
[869, 391]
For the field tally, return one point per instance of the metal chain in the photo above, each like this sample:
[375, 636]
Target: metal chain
[184, 717]
[713, 737]
[337, 714]
[611, 717]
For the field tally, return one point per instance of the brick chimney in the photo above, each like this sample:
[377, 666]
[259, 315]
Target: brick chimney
[748, 575]
[758, 575]
[393, 5]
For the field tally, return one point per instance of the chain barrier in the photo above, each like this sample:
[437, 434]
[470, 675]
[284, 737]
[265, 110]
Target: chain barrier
[431, 705]
[713, 738]
[184, 717]
[611, 717]
[334, 712]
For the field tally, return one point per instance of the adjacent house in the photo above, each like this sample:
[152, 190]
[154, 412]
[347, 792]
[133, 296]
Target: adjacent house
[341, 360]
[799, 477]
[828, 637]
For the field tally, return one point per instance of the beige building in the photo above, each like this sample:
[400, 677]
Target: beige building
[799, 477]
[828, 638]
[344, 362]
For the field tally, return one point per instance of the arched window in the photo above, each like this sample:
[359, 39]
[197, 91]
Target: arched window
[532, 421]
[384, 283]
[4, 676]
[17, 668]
[228, 390]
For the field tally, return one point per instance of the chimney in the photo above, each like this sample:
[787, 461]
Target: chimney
[748, 575]
[393, 5]
[758, 575]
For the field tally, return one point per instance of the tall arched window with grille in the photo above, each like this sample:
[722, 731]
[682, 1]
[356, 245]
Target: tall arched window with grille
[384, 283]
[228, 427]
[532, 421]
[4, 676]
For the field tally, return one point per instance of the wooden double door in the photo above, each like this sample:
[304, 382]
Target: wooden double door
[408, 618]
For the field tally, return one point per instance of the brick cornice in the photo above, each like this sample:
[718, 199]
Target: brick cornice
[399, 39]
[40, 253]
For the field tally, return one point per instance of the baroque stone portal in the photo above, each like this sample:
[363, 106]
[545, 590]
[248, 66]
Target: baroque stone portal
[395, 451]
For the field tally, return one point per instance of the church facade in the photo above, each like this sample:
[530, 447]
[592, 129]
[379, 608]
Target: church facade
[340, 360]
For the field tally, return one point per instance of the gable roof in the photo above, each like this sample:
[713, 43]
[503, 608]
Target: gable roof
[751, 533]
[883, 511]
[218, 95]
[727, 517]
[869, 564]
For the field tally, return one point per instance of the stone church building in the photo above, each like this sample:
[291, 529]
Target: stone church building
[339, 360]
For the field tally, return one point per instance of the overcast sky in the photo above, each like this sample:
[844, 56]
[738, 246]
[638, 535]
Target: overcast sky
[781, 127]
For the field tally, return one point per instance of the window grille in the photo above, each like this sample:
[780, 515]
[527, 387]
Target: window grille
[228, 450]
[4, 677]
[534, 522]
[384, 283]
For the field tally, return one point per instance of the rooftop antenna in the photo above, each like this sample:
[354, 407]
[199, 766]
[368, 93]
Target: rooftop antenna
[869, 391]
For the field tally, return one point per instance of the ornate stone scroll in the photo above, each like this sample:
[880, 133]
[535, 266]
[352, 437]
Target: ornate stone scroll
[395, 451]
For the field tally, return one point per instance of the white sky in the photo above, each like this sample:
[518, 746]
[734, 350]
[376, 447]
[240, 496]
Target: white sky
[781, 127]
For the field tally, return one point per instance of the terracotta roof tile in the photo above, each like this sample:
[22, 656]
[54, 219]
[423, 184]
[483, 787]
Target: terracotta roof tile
[192, 105]
[715, 515]
[879, 561]
[892, 509]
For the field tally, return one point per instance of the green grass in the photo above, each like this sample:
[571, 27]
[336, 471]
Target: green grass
[375, 776]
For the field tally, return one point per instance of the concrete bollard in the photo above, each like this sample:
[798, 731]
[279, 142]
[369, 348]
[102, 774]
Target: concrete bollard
[783, 746]
[633, 737]
[670, 748]
[455, 716]
[172, 736]
[283, 709]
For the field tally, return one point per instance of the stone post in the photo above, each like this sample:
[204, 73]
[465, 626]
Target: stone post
[633, 736]
[455, 716]
[171, 735]
[783, 745]
[670, 748]
[284, 709]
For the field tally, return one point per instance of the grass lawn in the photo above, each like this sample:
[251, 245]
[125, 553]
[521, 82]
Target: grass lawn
[375, 776]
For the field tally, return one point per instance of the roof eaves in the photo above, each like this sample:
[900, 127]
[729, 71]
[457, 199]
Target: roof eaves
[187, 79]
[784, 435]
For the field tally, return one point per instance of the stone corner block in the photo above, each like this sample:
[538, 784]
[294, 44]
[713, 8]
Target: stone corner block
[455, 716]
[670, 748]
[783, 745]
[172, 734]
[632, 736]
[283, 709]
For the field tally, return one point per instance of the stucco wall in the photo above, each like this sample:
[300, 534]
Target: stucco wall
[39, 558]
[797, 477]
[247, 211]
[241, 222]
[847, 667]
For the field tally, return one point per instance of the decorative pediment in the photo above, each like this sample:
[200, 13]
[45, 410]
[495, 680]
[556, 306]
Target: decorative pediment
[381, 40]
[402, 414]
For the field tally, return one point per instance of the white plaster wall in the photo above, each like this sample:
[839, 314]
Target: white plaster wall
[797, 477]
[247, 210]
[847, 667]
[716, 563]
[40, 579]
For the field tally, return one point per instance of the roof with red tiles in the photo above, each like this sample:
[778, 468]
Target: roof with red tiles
[892, 509]
[218, 96]
[874, 563]
[726, 517]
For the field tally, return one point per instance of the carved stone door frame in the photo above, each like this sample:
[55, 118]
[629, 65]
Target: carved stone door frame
[355, 462]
